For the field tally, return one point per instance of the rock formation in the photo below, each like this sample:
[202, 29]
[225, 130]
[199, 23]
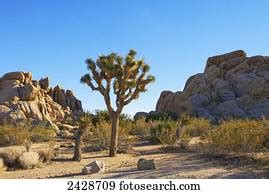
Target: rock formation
[231, 86]
[22, 98]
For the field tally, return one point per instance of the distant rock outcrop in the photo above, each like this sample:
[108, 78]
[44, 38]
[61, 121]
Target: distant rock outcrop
[22, 98]
[232, 86]
[140, 115]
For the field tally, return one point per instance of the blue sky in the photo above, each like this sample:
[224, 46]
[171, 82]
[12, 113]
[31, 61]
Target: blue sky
[54, 37]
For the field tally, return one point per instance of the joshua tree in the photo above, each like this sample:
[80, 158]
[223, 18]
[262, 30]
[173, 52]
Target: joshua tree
[128, 77]
[84, 124]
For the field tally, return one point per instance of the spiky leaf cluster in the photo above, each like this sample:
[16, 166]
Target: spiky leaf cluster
[127, 75]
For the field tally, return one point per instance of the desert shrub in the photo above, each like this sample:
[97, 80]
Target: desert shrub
[46, 154]
[103, 116]
[11, 156]
[42, 133]
[4, 139]
[242, 136]
[125, 126]
[100, 116]
[70, 120]
[141, 128]
[193, 127]
[25, 133]
[14, 135]
[161, 116]
[164, 132]
[100, 134]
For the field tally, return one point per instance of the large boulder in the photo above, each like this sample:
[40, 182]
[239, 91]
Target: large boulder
[231, 86]
[260, 109]
[29, 160]
[94, 167]
[44, 83]
[28, 92]
[200, 100]
[144, 164]
[217, 60]
[223, 90]
[14, 76]
[229, 110]
[140, 115]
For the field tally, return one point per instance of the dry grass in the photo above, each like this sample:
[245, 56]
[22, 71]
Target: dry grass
[40, 133]
[195, 127]
[164, 132]
[99, 135]
[241, 136]
[24, 133]
[14, 135]
[141, 128]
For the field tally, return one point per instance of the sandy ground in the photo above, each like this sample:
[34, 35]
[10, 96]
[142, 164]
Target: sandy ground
[181, 164]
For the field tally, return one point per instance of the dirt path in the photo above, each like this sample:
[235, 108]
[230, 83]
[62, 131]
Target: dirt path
[169, 165]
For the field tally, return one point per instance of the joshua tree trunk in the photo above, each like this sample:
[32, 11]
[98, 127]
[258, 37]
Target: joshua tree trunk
[77, 152]
[114, 135]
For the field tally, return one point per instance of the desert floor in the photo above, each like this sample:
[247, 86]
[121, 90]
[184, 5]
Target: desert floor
[176, 164]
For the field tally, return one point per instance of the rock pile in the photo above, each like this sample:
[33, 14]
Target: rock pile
[231, 86]
[22, 98]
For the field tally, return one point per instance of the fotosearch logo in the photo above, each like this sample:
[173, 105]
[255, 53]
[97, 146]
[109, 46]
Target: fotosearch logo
[170, 186]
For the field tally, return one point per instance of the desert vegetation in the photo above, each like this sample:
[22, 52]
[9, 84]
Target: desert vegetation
[23, 133]
[71, 135]
[237, 136]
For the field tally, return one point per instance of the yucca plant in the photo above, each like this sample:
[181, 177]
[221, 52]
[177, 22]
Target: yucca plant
[128, 78]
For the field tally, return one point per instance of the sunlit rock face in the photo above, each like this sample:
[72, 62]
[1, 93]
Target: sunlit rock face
[22, 98]
[231, 86]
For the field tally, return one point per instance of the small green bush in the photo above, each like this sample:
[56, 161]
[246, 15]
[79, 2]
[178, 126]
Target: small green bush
[25, 133]
[14, 135]
[125, 126]
[4, 139]
[141, 128]
[164, 132]
[194, 127]
[46, 155]
[166, 116]
[41, 133]
[99, 136]
[103, 115]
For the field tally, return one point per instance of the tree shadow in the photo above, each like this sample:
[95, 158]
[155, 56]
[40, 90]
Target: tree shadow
[191, 163]
[63, 160]
[95, 157]
[71, 175]
[242, 174]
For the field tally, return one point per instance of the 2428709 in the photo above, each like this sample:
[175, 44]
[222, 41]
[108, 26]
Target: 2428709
[91, 185]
